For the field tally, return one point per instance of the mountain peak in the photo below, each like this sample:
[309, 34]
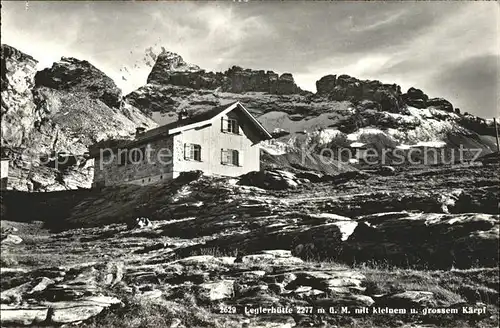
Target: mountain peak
[74, 74]
[169, 64]
[171, 69]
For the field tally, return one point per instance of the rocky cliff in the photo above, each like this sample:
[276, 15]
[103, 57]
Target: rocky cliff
[344, 110]
[56, 114]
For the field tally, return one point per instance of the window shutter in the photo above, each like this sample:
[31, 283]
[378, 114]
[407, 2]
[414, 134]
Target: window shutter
[143, 154]
[222, 156]
[240, 158]
[186, 151]
[223, 127]
[235, 157]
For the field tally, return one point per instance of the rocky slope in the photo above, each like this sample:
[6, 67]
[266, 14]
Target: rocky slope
[286, 210]
[415, 238]
[56, 114]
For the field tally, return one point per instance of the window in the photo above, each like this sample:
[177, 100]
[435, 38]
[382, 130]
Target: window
[192, 152]
[230, 157]
[132, 155]
[136, 155]
[230, 125]
[123, 158]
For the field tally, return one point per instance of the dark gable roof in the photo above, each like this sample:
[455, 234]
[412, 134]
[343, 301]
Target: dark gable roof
[164, 130]
[196, 118]
[176, 126]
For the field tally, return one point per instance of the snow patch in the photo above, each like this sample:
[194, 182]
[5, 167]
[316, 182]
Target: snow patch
[280, 120]
[324, 136]
[346, 228]
[433, 144]
[357, 145]
[330, 216]
[356, 135]
[274, 147]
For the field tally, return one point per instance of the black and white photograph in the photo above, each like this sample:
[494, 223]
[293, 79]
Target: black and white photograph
[250, 164]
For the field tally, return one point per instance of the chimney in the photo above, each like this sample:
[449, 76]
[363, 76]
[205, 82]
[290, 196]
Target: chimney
[139, 131]
[183, 114]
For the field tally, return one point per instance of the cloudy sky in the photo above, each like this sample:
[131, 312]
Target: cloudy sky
[448, 49]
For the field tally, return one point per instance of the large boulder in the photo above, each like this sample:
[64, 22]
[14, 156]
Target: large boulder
[440, 103]
[318, 242]
[10, 239]
[326, 84]
[80, 310]
[270, 179]
[351, 300]
[271, 258]
[427, 239]
[286, 85]
[415, 98]
[16, 315]
[388, 101]
[16, 294]
[214, 291]
[409, 299]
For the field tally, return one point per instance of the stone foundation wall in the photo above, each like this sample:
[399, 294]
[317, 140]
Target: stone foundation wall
[110, 171]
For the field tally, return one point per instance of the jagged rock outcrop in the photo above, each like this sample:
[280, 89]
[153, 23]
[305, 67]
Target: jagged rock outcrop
[74, 75]
[170, 68]
[345, 87]
[244, 80]
[416, 98]
[326, 84]
[387, 96]
[440, 103]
